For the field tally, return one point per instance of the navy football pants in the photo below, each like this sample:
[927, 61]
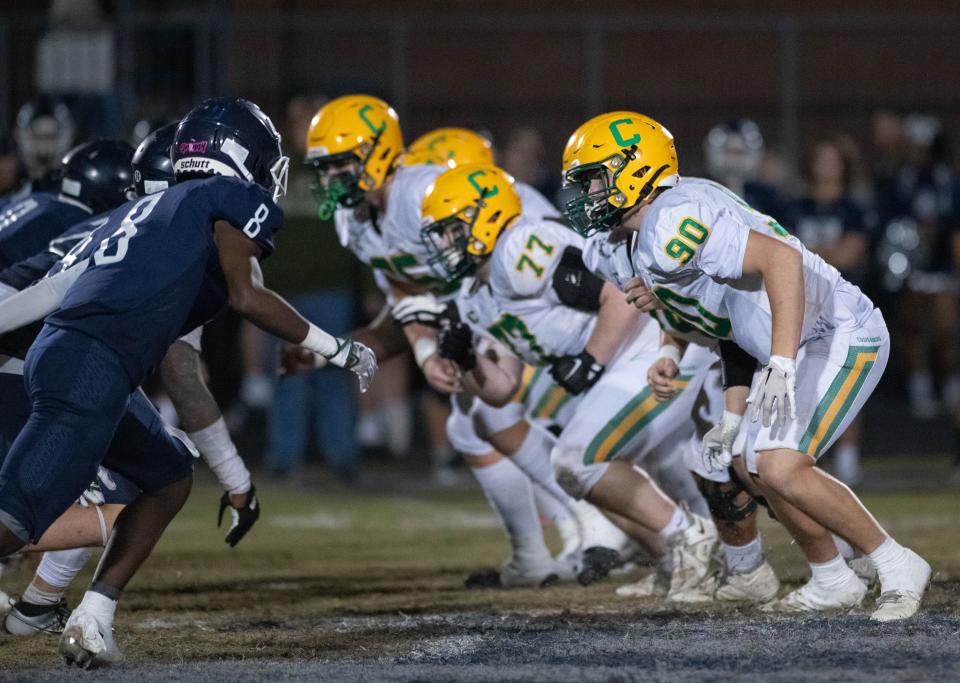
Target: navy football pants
[82, 415]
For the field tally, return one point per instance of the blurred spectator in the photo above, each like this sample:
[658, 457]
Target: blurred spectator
[315, 273]
[76, 60]
[735, 154]
[524, 157]
[923, 192]
[12, 174]
[831, 223]
[44, 133]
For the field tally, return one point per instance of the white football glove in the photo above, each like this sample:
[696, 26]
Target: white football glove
[774, 395]
[356, 358]
[424, 309]
[717, 452]
[93, 496]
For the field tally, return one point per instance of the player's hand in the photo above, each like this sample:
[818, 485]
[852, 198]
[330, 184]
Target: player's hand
[455, 343]
[296, 359]
[442, 375]
[423, 309]
[576, 374]
[717, 449]
[244, 513]
[641, 297]
[94, 495]
[660, 377]
[774, 395]
[363, 363]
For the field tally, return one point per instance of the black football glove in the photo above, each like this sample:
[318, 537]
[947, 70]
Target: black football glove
[456, 343]
[576, 374]
[243, 519]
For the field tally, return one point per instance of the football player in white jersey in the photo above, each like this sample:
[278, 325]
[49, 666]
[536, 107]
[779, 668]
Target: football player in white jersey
[748, 577]
[355, 144]
[533, 297]
[733, 273]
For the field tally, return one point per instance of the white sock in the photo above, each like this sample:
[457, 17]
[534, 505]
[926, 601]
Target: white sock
[832, 573]
[847, 551]
[218, 449]
[398, 420]
[951, 390]
[888, 558]
[509, 493]
[679, 522]
[533, 459]
[58, 568]
[98, 604]
[742, 559]
[920, 387]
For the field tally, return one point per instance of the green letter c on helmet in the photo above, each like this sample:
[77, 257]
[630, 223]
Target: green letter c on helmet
[363, 116]
[484, 191]
[618, 138]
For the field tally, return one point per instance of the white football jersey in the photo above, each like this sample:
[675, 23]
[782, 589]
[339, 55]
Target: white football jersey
[690, 252]
[611, 260]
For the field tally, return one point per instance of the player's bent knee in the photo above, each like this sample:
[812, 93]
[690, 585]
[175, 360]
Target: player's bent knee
[574, 476]
[779, 468]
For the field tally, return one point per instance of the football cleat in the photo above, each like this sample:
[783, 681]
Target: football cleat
[654, 585]
[865, 571]
[692, 550]
[27, 619]
[812, 597]
[597, 563]
[523, 574]
[6, 603]
[758, 585]
[87, 644]
[903, 601]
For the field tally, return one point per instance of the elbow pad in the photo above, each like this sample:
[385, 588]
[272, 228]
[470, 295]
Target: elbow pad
[737, 366]
[574, 284]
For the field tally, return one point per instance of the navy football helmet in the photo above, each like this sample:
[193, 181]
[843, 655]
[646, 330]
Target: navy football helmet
[232, 137]
[98, 174]
[152, 166]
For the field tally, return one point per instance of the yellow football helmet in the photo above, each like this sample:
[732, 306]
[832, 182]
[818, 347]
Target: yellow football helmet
[463, 213]
[450, 147]
[353, 144]
[631, 155]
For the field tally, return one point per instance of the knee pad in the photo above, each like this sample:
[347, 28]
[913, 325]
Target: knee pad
[758, 500]
[721, 499]
[573, 476]
[462, 434]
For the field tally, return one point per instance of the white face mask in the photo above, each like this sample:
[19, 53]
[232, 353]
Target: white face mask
[278, 173]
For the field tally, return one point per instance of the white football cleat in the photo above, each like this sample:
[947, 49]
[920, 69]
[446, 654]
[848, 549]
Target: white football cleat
[758, 585]
[25, 619]
[692, 550]
[530, 573]
[85, 643]
[900, 597]
[812, 597]
[865, 571]
[654, 585]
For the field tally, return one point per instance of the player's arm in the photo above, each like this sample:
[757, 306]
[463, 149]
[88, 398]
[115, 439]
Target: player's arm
[661, 374]
[37, 301]
[440, 373]
[489, 371]
[781, 267]
[270, 312]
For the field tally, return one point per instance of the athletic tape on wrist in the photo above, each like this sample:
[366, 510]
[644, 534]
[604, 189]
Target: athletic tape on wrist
[423, 348]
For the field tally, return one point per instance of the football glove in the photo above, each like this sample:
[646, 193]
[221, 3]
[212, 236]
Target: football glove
[717, 449]
[456, 343]
[242, 519]
[357, 358]
[774, 395]
[576, 374]
[94, 494]
[425, 310]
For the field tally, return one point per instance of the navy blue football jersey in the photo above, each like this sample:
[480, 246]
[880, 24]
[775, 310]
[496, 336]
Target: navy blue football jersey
[27, 226]
[153, 270]
[26, 272]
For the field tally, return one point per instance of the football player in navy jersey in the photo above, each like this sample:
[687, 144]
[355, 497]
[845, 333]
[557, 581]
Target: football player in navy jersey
[95, 179]
[160, 266]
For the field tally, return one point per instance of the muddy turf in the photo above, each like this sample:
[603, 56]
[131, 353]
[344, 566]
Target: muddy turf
[339, 586]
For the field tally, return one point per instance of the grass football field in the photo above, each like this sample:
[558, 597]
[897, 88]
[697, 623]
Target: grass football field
[368, 585]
